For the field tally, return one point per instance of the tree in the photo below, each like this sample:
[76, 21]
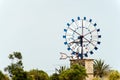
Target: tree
[114, 75]
[76, 72]
[3, 77]
[20, 74]
[38, 75]
[54, 76]
[61, 69]
[100, 68]
[16, 63]
[15, 69]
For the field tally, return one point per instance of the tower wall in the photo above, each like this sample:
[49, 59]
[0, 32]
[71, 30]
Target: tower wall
[87, 63]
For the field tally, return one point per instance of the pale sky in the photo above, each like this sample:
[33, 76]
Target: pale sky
[35, 28]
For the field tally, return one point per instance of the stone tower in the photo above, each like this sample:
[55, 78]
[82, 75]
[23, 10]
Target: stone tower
[87, 63]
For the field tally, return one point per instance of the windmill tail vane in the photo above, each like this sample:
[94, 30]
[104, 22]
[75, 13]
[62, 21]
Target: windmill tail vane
[64, 56]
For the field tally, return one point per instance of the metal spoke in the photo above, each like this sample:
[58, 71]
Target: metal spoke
[90, 32]
[89, 41]
[82, 27]
[75, 31]
[76, 24]
[75, 41]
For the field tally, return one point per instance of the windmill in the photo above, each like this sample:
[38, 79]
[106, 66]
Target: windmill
[82, 39]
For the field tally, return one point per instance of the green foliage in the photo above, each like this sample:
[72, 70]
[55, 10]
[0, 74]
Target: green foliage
[61, 69]
[17, 55]
[100, 68]
[20, 75]
[96, 78]
[15, 69]
[55, 76]
[38, 75]
[114, 75]
[3, 77]
[76, 72]
[16, 63]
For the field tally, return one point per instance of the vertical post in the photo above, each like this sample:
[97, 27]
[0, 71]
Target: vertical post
[82, 52]
[82, 42]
